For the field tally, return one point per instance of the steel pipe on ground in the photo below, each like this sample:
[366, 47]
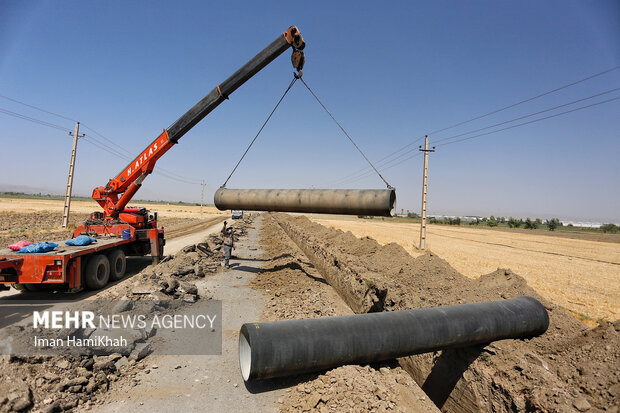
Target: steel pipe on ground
[380, 202]
[282, 348]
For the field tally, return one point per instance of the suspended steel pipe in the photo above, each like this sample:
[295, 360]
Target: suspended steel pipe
[281, 348]
[372, 202]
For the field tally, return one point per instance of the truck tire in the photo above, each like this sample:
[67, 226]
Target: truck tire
[28, 288]
[97, 272]
[19, 287]
[118, 264]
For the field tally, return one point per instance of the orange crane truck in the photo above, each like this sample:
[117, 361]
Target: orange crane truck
[121, 231]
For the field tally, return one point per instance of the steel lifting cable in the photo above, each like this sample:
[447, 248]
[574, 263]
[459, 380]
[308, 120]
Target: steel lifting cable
[345, 132]
[261, 129]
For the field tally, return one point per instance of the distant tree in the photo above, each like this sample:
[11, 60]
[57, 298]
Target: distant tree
[553, 223]
[514, 223]
[492, 222]
[611, 228]
[412, 215]
[529, 224]
[502, 220]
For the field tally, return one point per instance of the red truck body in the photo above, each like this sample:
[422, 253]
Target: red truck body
[65, 266]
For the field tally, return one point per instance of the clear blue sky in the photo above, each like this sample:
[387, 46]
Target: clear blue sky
[390, 72]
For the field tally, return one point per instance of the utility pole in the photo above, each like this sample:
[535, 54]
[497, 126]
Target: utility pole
[424, 192]
[202, 195]
[65, 214]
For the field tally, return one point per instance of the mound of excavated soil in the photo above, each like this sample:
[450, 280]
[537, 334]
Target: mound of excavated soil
[297, 290]
[569, 368]
[359, 389]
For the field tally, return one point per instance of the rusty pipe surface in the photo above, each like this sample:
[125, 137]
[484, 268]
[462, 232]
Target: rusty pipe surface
[375, 202]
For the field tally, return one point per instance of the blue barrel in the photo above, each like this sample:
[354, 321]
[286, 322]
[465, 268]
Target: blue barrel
[126, 233]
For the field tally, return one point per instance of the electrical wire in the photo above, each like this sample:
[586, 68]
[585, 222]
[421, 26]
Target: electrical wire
[161, 171]
[527, 116]
[107, 139]
[379, 163]
[37, 108]
[130, 157]
[526, 100]
[370, 173]
[366, 170]
[105, 148]
[503, 129]
[34, 120]
[482, 116]
[529, 122]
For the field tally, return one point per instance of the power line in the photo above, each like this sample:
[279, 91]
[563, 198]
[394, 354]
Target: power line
[370, 173]
[527, 116]
[527, 100]
[34, 120]
[495, 131]
[366, 170]
[116, 153]
[132, 156]
[37, 108]
[483, 116]
[379, 162]
[531, 121]
[161, 171]
[107, 139]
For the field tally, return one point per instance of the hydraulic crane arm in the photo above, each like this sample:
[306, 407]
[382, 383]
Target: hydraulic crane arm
[118, 192]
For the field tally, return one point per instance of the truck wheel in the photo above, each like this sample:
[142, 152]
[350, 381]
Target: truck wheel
[28, 288]
[33, 288]
[161, 241]
[118, 264]
[97, 272]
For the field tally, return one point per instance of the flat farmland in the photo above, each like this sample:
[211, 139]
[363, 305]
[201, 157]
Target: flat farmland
[39, 205]
[40, 219]
[581, 275]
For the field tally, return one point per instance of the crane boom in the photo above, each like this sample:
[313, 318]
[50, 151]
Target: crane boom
[118, 191]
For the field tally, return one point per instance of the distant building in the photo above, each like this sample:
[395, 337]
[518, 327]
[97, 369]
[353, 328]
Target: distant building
[582, 224]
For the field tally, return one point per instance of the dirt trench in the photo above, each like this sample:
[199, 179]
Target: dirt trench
[569, 368]
[296, 289]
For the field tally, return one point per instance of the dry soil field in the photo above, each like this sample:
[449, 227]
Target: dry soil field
[583, 275]
[40, 220]
[580, 275]
[36, 205]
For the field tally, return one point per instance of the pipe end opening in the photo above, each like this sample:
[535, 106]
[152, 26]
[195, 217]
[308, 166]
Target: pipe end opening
[393, 202]
[245, 356]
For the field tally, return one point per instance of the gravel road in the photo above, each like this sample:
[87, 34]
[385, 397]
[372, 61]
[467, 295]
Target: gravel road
[200, 383]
